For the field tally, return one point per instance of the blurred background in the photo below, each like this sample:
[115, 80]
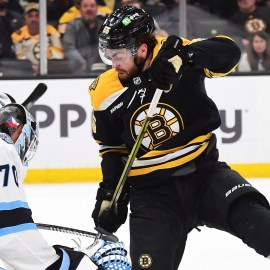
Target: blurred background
[58, 38]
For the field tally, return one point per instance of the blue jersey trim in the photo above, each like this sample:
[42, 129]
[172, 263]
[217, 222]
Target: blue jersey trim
[65, 261]
[13, 205]
[18, 228]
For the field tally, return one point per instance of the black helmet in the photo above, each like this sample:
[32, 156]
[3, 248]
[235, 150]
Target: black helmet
[121, 27]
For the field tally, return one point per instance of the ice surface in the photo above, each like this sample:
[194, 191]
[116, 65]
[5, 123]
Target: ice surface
[70, 205]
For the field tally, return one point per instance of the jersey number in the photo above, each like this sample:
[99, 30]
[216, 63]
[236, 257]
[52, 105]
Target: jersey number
[5, 169]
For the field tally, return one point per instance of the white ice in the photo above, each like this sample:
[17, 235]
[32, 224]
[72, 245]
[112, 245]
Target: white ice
[70, 205]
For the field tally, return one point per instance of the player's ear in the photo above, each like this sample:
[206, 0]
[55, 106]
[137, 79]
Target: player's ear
[142, 50]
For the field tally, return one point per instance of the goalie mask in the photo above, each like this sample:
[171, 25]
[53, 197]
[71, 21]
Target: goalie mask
[11, 117]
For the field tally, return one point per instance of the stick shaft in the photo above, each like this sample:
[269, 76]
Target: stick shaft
[35, 95]
[56, 228]
[135, 148]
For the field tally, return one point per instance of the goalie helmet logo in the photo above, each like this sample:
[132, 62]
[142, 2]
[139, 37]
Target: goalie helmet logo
[165, 123]
[145, 261]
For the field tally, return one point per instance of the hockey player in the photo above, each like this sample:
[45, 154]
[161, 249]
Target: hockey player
[176, 182]
[22, 246]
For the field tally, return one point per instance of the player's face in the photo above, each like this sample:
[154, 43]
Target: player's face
[15, 135]
[125, 64]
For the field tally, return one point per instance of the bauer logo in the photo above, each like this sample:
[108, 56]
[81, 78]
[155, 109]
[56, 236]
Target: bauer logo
[236, 188]
[145, 261]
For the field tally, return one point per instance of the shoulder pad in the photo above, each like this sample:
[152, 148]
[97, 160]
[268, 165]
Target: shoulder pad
[103, 87]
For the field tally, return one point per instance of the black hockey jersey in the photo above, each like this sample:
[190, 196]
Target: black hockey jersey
[183, 122]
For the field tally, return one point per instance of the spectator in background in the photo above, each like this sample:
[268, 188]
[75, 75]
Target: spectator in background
[250, 19]
[81, 39]
[10, 21]
[256, 57]
[26, 39]
[16, 6]
[56, 8]
[74, 12]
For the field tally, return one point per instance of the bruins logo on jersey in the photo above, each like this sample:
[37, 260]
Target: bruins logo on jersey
[145, 261]
[254, 25]
[165, 123]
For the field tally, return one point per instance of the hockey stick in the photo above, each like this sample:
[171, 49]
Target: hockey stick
[132, 156]
[56, 228]
[35, 95]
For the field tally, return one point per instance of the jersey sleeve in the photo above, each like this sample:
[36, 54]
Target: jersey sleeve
[218, 56]
[111, 148]
[106, 130]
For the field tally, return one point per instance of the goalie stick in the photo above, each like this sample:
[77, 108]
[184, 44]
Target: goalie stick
[35, 95]
[56, 228]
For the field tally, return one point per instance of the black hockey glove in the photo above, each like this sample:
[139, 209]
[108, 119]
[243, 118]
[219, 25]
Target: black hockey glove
[113, 219]
[166, 69]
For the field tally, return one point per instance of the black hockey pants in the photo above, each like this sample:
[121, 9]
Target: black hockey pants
[161, 217]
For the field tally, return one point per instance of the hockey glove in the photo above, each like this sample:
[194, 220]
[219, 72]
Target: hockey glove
[166, 69]
[113, 219]
[109, 255]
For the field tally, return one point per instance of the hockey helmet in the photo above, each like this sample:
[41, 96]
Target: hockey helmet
[120, 29]
[11, 117]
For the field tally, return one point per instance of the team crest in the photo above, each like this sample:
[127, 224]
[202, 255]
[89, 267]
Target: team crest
[165, 124]
[254, 25]
[145, 261]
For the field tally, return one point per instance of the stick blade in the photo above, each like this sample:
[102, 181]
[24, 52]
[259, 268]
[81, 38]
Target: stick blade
[35, 95]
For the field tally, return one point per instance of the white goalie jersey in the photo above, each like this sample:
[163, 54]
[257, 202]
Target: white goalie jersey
[21, 244]
[23, 247]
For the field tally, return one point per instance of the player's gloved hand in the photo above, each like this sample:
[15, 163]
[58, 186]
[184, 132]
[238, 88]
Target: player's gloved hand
[166, 69]
[109, 255]
[113, 219]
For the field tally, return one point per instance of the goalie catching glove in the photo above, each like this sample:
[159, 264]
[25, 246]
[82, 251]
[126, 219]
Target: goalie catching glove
[167, 67]
[113, 219]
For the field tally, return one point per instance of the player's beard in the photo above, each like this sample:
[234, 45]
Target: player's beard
[126, 75]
